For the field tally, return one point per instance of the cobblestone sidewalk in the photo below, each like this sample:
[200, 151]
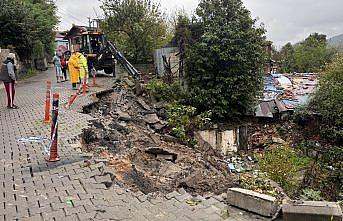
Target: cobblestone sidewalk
[33, 189]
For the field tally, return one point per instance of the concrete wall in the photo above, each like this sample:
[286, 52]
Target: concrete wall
[145, 68]
[230, 140]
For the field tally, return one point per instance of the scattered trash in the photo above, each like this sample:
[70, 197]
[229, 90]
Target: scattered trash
[32, 139]
[69, 202]
[193, 202]
[225, 214]
[231, 166]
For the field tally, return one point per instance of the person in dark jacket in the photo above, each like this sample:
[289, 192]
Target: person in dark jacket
[9, 78]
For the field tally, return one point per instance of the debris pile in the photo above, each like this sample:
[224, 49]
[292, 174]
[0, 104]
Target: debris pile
[282, 94]
[131, 134]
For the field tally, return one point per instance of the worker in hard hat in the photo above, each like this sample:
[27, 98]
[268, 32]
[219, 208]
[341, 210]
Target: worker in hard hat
[74, 70]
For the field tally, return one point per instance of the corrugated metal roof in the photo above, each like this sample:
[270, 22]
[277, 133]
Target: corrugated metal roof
[275, 100]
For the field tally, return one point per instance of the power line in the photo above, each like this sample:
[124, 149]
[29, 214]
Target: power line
[66, 20]
[70, 16]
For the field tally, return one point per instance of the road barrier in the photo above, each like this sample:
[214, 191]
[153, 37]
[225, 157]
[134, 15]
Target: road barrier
[73, 98]
[93, 72]
[53, 155]
[47, 102]
[84, 85]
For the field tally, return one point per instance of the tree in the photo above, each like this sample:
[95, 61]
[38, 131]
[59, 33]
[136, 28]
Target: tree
[16, 23]
[287, 58]
[27, 25]
[45, 20]
[223, 66]
[328, 101]
[312, 54]
[136, 26]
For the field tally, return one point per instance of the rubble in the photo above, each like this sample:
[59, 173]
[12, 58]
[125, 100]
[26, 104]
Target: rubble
[129, 133]
[151, 118]
[283, 93]
[123, 116]
[161, 154]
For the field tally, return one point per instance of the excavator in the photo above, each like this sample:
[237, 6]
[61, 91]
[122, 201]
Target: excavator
[102, 54]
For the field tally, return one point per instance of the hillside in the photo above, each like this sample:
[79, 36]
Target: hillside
[336, 41]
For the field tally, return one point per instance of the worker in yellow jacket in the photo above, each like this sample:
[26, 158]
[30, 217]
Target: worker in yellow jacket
[83, 68]
[74, 70]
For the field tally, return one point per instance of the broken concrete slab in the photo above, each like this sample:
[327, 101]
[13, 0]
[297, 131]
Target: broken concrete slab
[159, 126]
[144, 105]
[311, 211]
[123, 115]
[151, 118]
[192, 180]
[161, 154]
[262, 204]
[129, 82]
[168, 157]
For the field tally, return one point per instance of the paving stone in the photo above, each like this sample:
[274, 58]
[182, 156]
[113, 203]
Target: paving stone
[172, 195]
[69, 190]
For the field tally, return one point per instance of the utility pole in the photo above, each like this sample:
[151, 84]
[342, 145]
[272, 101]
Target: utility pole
[90, 21]
[98, 22]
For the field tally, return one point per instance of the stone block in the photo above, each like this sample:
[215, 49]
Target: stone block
[252, 201]
[311, 211]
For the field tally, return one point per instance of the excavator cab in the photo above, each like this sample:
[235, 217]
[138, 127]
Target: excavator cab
[92, 44]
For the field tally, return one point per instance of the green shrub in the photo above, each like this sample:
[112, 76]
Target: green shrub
[161, 91]
[310, 194]
[328, 101]
[278, 163]
[183, 120]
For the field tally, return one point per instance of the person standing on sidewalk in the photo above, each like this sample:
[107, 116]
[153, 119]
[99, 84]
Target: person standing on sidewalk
[64, 66]
[58, 67]
[8, 76]
[74, 71]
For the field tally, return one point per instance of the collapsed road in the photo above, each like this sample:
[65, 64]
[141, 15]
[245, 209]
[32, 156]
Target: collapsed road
[131, 134]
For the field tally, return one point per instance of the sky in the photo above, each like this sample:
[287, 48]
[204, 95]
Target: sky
[285, 20]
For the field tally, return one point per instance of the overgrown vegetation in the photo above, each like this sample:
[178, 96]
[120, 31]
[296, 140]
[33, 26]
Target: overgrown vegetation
[281, 163]
[258, 182]
[161, 91]
[223, 65]
[322, 118]
[328, 101]
[27, 26]
[310, 194]
[136, 26]
[183, 120]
